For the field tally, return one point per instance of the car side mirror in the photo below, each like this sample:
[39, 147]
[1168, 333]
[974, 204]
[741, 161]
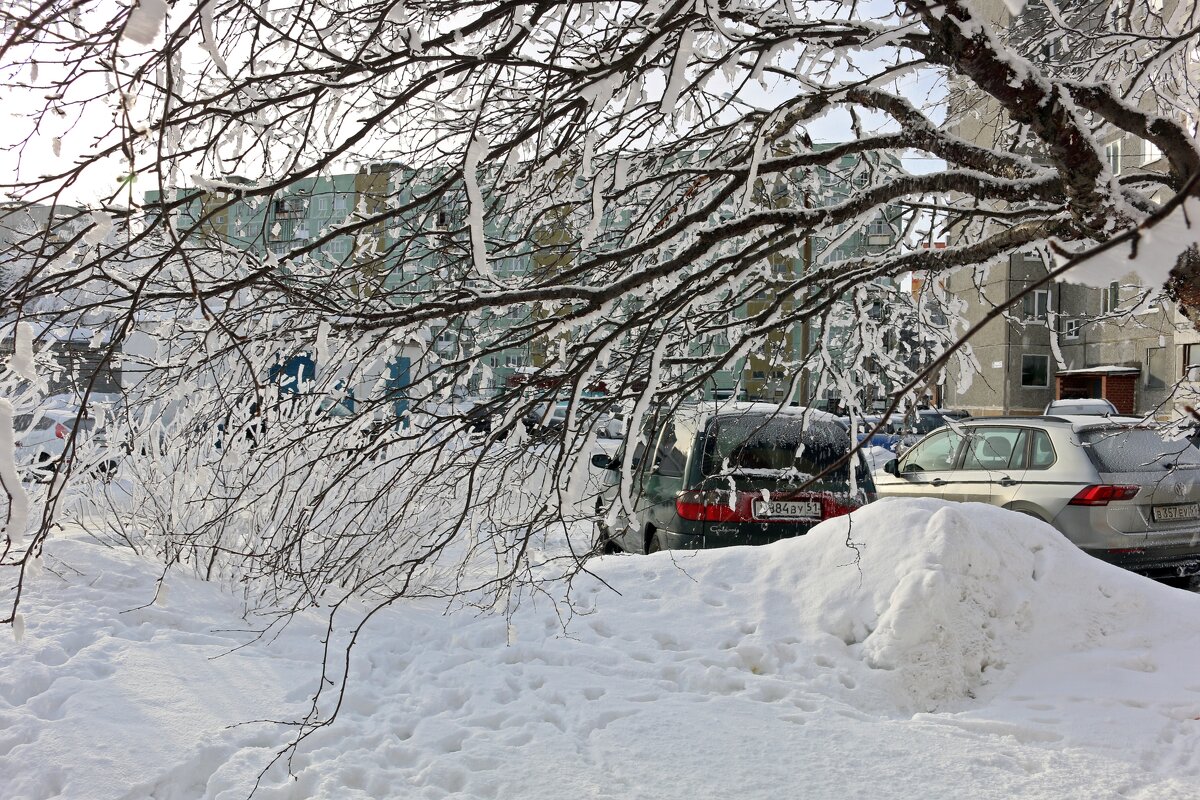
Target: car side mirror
[891, 467]
[602, 461]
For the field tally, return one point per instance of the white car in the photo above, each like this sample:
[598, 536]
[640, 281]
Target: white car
[612, 425]
[41, 437]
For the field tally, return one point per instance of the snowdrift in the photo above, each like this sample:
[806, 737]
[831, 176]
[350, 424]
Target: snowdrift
[926, 603]
[914, 649]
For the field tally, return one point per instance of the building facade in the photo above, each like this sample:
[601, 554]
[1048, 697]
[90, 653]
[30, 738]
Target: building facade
[1062, 340]
[311, 209]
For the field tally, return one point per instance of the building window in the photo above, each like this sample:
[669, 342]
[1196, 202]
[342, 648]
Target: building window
[1150, 153]
[322, 203]
[878, 227]
[289, 207]
[1071, 328]
[1191, 362]
[1035, 370]
[1111, 298]
[1035, 305]
[340, 202]
[1156, 367]
[1112, 154]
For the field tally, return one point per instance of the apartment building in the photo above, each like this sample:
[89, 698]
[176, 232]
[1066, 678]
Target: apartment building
[1122, 342]
[1064, 340]
[294, 222]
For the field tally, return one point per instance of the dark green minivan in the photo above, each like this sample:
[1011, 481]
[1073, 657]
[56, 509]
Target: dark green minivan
[721, 474]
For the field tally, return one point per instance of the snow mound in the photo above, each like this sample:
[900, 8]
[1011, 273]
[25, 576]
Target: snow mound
[954, 600]
[925, 603]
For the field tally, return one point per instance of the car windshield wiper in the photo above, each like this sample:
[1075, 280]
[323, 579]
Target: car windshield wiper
[1177, 465]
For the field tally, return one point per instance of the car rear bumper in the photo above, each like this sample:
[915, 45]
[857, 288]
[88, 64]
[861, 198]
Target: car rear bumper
[1156, 562]
[733, 536]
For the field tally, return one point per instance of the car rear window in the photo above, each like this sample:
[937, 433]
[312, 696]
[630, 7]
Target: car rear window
[21, 422]
[774, 444]
[1137, 450]
[1082, 408]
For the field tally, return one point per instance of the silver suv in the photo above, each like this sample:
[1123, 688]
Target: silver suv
[1113, 486]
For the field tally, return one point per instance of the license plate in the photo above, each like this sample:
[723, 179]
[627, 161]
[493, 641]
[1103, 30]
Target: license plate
[1174, 513]
[787, 509]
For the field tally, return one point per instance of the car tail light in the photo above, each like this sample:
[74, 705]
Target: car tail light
[1101, 494]
[61, 431]
[715, 505]
[832, 508]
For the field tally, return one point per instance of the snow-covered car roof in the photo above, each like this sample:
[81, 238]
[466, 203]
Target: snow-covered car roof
[1076, 407]
[711, 408]
[1076, 422]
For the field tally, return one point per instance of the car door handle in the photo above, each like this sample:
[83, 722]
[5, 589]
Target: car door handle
[937, 482]
[1007, 481]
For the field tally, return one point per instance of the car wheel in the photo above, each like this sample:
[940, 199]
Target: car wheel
[654, 545]
[1026, 513]
[602, 543]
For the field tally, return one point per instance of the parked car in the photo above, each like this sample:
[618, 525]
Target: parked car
[900, 433]
[914, 426]
[612, 425]
[542, 420]
[486, 413]
[42, 437]
[884, 437]
[724, 474]
[1113, 486]
[1091, 406]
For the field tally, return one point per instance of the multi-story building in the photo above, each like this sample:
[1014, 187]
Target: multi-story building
[1065, 340]
[313, 208]
[768, 376]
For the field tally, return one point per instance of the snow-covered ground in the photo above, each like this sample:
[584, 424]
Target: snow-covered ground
[915, 649]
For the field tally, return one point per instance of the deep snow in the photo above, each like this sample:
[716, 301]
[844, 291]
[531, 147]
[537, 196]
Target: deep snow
[916, 649]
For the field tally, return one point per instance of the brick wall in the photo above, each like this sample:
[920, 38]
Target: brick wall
[1120, 390]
